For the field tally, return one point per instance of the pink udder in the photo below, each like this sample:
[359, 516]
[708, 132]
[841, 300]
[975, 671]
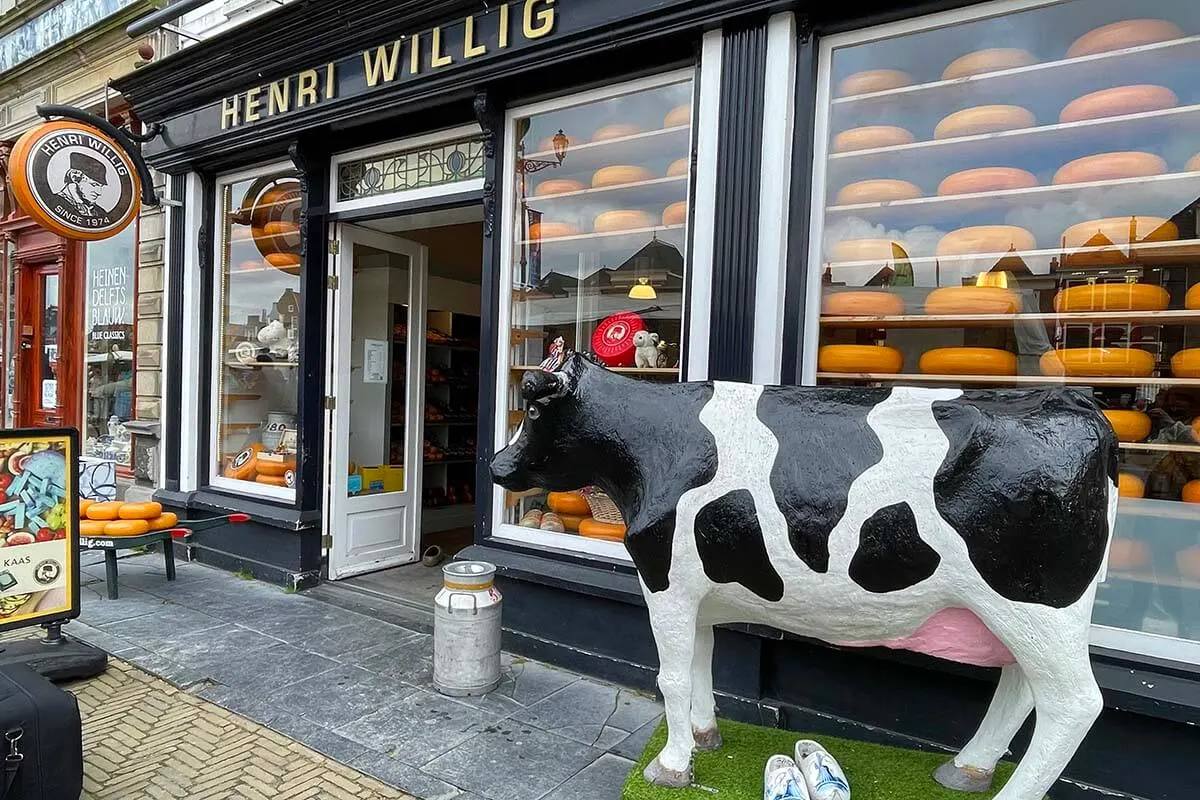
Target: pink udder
[955, 634]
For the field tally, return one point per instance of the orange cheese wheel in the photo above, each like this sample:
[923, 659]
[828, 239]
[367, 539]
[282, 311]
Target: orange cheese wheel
[1120, 231]
[1129, 425]
[675, 214]
[1119, 101]
[1127, 554]
[989, 60]
[568, 503]
[615, 131]
[1193, 164]
[1191, 300]
[558, 186]
[283, 260]
[983, 119]
[960, 300]
[594, 529]
[968, 361]
[271, 480]
[866, 250]
[873, 80]
[877, 190]
[679, 115]
[91, 527]
[249, 265]
[1129, 485]
[167, 519]
[242, 467]
[986, 179]
[622, 219]
[1191, 492]
[1112, 297]
[1119, 35]
[985, 239]
[862, 304]
[1093, 362]
[620, 174]
[1110, 167]
[680, 166]
[1188, 560]
[549, 230]
[107, 510]
[273, 467]
[859, 358]
[82, 506]
[281, 228]
[870, 137]
[139, 510]
[126, 527]
[1186, 363]
[571, 521]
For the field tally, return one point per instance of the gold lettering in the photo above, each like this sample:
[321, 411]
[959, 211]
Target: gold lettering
[280, 98]
[306, 92]
[414, 55]
[545, 18]
[383, 66]
[439, 59]
[470, 49]
[329, 87]
[253, 103]
[503, 25]
[229, 112]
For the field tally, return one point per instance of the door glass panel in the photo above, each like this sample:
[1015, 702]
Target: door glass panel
[48, 346]
[108, 338]
[379, 380]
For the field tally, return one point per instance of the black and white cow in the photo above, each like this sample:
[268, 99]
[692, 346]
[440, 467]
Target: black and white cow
[972, 525]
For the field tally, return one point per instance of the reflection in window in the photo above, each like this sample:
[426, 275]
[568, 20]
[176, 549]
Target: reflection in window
[48, 355]
[109, 346]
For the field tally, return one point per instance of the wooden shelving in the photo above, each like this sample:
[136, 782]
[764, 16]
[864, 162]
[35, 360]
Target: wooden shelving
[1113, 256]
[1174, 317]
[649, 372]
[1002, 380]
[584, 156]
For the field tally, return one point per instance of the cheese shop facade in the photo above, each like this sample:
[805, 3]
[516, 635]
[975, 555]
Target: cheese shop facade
[385, 214]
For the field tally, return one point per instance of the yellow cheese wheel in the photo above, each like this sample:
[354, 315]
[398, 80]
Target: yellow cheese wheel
[558, 186]
[983, 119]
[242, 466]
[1191, 492]
[271, 480]
[1096, 362]
[1130, 425]
[873, 80]
[127, 527]
[675, 214]
[870, 137]
[268, 466]
[571, 521]
[165, 520]
[960, 300]
[283, 261]
[862, 304]
[1119, 101]
[679, 115]
[877, 190]
[82, 506]
[568, 503]
[108, 510]
[1192, 299]
[968, 361]
[985, 239]
[1110, 167]
[1193, 164]
[989, 60]
[1127, 554]
[620, 174]
[859, 358]
[1112, 297]
[1113, 235]
[987, 179]
[680, 166]
[91, 527]
[615, 131]
[593, 529]
[139, 510]
[1188, 561]
[549, 230]
[281, 228]
[622, 219]
[1129, 485]
[1119, 35]
[1186, 363]
[866, 250]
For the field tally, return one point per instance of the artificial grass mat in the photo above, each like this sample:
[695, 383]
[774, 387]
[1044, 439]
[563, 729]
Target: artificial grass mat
[875, 771]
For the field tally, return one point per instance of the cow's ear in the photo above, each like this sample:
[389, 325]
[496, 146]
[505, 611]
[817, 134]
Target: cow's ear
[539, 385]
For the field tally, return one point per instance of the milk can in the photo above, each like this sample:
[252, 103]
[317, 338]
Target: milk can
[466, 630]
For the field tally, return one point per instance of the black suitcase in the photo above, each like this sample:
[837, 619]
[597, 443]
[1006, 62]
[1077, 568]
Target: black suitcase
[42, 745]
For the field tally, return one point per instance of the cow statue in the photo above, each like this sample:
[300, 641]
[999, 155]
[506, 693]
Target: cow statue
[969, 525]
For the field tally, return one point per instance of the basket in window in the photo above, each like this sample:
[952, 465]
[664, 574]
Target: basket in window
[602, 506]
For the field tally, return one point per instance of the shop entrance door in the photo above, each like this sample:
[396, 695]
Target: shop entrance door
[377, 334]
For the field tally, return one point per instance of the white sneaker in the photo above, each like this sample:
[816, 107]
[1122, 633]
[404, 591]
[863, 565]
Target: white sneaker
[821, 771]
[782, 780]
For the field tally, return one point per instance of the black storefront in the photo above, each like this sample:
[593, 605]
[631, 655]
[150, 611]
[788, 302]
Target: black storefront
[739, 293]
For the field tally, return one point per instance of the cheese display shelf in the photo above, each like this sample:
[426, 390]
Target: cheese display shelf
[1174, 251]
[1002, 380]
[607, 240]
[662, 191]
[1171, 317]
[587, 156]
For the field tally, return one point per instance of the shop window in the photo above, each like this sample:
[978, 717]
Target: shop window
[405, 170]
[109, 346]
[1011, 200]
[257, 307]
[596, 231]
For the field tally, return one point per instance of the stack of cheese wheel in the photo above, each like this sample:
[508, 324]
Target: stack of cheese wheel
[273, 219]
[1191, 300]
[985, 239]
[1130, 485]
[619, 175]
[871, 137]
[570, 507]
[1110, 167]
[873, 80]
[1130, 425]
[1112, 297]
[861, 303]
[253, 464]
[1097, 362]
[558, 186]
[992, 59]
[1186, 363]
[622, 219]
[965, 300]
[115, 518]
[877, 190]
[1120, 35]
[548, 229]
[675, 214]
[1119, 101]
[968, 361]
[678, 167]
[615, 131]
[859, 359]
[677, 116]
[987, 179]
[1188, 561]
[1110, 241]
[983, 119]
[1128, 554]
[884, 250]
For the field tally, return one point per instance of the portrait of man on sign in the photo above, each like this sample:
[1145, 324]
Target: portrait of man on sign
[86, 178]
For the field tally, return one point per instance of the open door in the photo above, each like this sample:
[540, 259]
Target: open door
[377, 326]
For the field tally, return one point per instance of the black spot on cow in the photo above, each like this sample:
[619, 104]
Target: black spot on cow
[1025, 483]
[891, 554]
[824, 445]
[730, 543]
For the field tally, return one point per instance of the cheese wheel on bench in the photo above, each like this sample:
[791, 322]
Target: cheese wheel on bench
[985, 239]
[877, 190]
[983, 119]
[1112, 297]
[989, 60]
[863, 303]
[873, 80]
[960, 300]
[968, 361]
[1119, 35]
[871, 137]
[1110, 167]
[1092, 362]
[987, 179]
[1119, 101]
[859, 358]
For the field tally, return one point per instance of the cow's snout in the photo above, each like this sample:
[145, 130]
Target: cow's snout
[507, 470]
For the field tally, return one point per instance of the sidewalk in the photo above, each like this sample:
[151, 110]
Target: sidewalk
[358, 690]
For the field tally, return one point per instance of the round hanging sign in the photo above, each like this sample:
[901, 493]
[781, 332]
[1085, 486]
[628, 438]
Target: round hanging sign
[613, 340]
[74, 180]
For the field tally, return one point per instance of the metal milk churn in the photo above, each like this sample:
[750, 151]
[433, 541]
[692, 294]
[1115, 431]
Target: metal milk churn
[466, 630]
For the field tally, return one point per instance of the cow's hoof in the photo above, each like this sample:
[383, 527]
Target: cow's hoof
[659, 775]
[963, 779]
[708, 739]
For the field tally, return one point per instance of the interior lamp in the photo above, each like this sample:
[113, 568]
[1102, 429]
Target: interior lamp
[642, 290]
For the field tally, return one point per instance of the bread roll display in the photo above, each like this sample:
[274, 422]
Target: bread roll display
[989, 60]
[984, 119]
[987, 179]
[1119, 35]
[620, 174]
[1097, 362]
[864, 303]
[968, 361]
[985, 239]
[859, 358]
[1119, 101]
[680, 166]
[1112, 297]
[865, 250]
[873, 80]
[870, 137]
[1110, 167]
[615, 131]
[675, 214]
[549, 230]
[622, 219]
[877, 190]
[679, 115]
[558, 186]
[953, 301]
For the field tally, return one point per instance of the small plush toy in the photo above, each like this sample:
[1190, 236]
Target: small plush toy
[645, 349]
[554, 359]
[274, 337]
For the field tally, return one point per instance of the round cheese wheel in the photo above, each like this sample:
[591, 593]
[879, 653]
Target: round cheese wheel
[615, 131]
[1188, 560]
[281, 228]
[1112, 297]
[243, 465]
[167, 519]
[612, 341]
[877, 190]
[558, 186]
[679, 115]
[675, 214]
[968, 361]
[620, 174]
[986, 179]
[139, 510]
[609, 531]
[271, 480]
[1096, 362]
[272, 467]
[82, 506]
[249, 265]
[283, 260]
[1130, 485]
[622, 219]
[549, 230]
[568, 503]
[1130, 425]
[680, 166]
[1193, 164]
[862, 304]
[1119, 35]
[1191, 492]
[571, 521]
[1191, 300]
[871, 137]
[859, 358]
[985, 239]
[989, 60]
[1110, 167]
[1119, 101]
[983, 119]
[1127, 554]
[127, 527]
[865, 250]
[108, 510]
[284, 238]
[1120, 231]
[1186, 363]
[91, 527]
[873, 80]
[961, 300]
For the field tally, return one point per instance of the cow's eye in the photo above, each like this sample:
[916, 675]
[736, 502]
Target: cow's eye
[534, 412]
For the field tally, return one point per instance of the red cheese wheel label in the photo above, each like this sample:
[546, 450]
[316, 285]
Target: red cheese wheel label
[613, 340]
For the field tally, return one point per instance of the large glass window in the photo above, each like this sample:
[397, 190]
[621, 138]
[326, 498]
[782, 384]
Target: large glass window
[109, 346]
[257, 346]
[1012, 200]
[598, 213]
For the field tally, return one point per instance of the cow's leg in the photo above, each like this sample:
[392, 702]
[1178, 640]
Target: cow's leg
[972, 769]
[704, 707]
[673, 621]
